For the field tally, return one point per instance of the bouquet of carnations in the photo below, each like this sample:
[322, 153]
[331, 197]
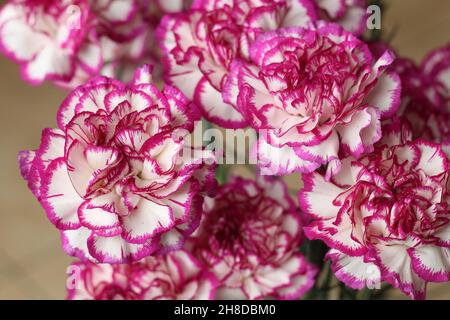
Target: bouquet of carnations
[152, 211]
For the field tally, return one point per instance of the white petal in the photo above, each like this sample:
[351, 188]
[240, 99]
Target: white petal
[386, 94]
[148, 219]
[59, 197]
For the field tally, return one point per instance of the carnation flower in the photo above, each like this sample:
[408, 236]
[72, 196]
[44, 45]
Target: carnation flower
[386, 216]
[125, 30]
[436, 70]
[173, 276]
[50, 39]
[350, 14]
[119, 177]
[249, 239]
[67, 42]
[316, 95]
[126, 21]
[200, 45]
[426, 95]
[127, 41]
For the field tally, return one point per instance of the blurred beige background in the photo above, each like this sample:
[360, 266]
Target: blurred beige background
[32, 263]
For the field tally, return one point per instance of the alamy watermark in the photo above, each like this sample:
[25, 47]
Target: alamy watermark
[373, 21]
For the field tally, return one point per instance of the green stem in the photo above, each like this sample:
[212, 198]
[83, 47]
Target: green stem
[346, 293]
[315, 252]
[365, 294]
[222, 172]
[325, 288]
[342, 292]
[379, 294]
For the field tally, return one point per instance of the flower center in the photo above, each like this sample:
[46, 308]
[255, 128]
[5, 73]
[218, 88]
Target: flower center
[240, 231]
[313, 81]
